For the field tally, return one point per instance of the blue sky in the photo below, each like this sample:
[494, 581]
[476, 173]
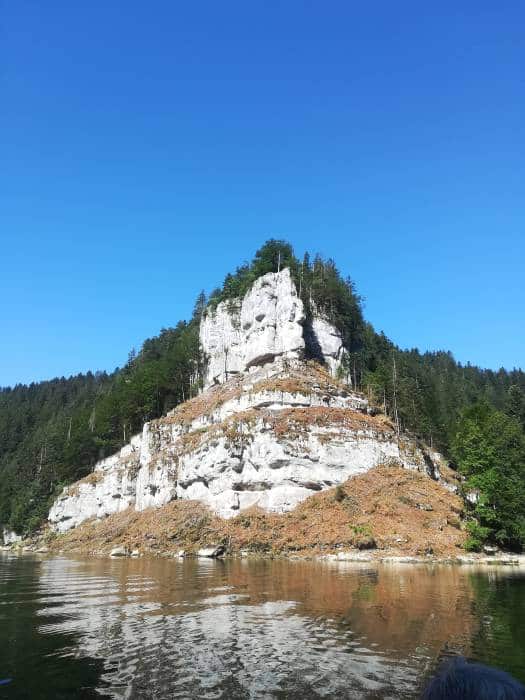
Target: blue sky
[149, 148]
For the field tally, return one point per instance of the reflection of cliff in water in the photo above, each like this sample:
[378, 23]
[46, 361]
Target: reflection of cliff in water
[238, 629]
[258, 629]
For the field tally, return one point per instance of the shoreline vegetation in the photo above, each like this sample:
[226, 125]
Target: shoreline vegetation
[506, 559]
[54, 432]
[388, 514]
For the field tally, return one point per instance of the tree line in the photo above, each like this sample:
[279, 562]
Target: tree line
[52, 433]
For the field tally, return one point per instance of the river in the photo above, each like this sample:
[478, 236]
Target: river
[162, 628]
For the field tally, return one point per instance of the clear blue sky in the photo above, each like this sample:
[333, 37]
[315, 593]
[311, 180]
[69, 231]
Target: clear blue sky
[147, 148]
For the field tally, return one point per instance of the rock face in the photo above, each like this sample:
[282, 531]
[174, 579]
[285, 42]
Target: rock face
[329, 341]
[268, 324]
[269, 438]
[270, 429]
[9, 537]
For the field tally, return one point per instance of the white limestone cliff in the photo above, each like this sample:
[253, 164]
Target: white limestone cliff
[267, 325]
[270, 438]
[330, 342]
[269, 429]
[10, 537]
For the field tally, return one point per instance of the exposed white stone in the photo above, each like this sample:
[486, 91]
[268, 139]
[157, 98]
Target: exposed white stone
[251, 397]
[157, 476]
[257, 467]
[223, 450]
[265, 325]
[330, 343]
[276, 473]
[272, 315]
[10, 537]
[222, 343]
[112, 492]
[212, 552]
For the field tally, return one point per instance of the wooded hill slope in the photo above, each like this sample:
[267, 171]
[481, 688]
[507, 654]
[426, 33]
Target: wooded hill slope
[52, 433]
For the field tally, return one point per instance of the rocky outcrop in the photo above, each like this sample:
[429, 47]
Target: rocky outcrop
[10, 537]
[267, 325]
[330, 342]
[269, 429]
[269, 438]
[111, 488]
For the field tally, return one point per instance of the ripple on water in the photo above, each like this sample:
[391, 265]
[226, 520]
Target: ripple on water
[188, 629]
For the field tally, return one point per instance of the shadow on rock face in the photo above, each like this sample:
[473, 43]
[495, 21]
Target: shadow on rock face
[313, 350]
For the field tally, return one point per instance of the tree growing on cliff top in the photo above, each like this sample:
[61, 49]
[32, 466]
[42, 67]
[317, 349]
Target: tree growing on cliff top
[52, 433]
[273, 256]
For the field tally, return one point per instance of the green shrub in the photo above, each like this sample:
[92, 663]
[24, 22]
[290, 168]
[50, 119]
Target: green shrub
[364, 530]
[478, 535]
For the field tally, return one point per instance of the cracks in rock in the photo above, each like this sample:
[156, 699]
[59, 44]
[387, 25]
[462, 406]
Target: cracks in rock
[310, 485]
[196, 480]
[252, 486]
[263, 359]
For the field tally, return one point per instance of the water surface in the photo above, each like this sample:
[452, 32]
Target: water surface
[159, 628]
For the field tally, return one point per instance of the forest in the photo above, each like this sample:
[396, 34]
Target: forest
[53, 432]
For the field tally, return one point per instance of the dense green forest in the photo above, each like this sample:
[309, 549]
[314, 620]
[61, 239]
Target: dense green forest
[53, 432]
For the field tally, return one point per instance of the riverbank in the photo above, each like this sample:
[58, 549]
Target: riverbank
[388, 514]
[348, 556]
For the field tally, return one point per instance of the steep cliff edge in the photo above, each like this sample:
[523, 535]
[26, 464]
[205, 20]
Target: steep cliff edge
[269, 324]
[269, 429]
[401, 511]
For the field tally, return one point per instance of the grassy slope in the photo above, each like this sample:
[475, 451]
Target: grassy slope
[405, 512]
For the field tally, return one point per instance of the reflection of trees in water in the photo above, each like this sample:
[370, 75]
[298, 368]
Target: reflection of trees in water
[500, 606]
[398, 607]
[41, 665]
[239, 629]
[419, 612]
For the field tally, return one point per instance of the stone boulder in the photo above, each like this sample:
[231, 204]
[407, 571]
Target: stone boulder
[10, 537]
[214, 552]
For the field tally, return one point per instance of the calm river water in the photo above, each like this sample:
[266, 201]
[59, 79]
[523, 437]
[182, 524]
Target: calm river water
[158, 628]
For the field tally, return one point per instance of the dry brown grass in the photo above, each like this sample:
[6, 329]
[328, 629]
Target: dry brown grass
[91, 479]
[310, 378]
[404, 511]
[291, 420]
[288, 423]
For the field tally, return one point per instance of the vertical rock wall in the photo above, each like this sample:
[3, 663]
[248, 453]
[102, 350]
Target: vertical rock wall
[9, 537]
[267, 324]
[269, 437]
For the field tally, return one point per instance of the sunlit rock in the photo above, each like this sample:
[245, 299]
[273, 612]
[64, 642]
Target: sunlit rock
[10, 537]
[269, 429]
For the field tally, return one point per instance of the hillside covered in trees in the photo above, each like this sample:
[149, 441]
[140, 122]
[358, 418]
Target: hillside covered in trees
[52, 433]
